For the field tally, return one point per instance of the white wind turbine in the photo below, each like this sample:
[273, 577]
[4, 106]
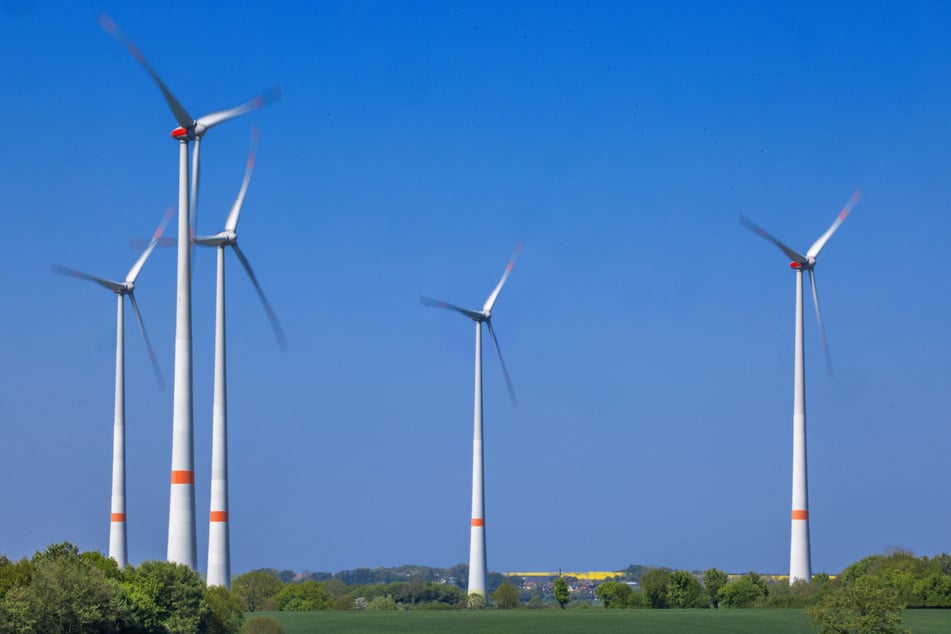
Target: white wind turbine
[800, 561]
[182, 545]
[118, 549]
[477, 556]
[219, 553]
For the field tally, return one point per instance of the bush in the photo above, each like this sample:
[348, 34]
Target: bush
[382, 603]
[866, 607]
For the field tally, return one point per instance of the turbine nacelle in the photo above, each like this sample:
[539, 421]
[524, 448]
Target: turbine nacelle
[808, 265]
[221, 239]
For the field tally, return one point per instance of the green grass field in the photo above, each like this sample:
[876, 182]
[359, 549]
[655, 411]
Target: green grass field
[593, 620]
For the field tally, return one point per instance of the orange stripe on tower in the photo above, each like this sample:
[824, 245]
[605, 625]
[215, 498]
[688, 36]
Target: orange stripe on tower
[118, 517]
[800, 515]
[183, 477]
[478, 521]
[219, 516]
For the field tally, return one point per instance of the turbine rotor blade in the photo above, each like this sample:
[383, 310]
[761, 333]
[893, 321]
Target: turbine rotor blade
[148, 344]
[231, 224]
[269, 96]
[137, 267]
[755, 228]
[505, 372]
[181, 116]
[115, 287]
[271, 315]
[193, 192]
[471, 314]
[822, 330]
[821, 242]
[490, 302]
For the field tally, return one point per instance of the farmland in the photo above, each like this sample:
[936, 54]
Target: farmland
[580, 620]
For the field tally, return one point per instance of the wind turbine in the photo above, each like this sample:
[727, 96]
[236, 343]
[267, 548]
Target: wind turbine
[800, 561]
[182, 546]
[118, 549]
[477, 557]
[219, 551]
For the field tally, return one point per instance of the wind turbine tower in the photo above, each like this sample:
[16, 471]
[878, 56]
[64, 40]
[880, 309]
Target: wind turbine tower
[477, 556]
[118, 548]
[182, 545]
[800, 559]
[219, 549]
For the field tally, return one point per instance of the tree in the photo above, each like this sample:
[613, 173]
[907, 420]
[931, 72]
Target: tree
[67, 593]
[614, 594]
[13, 574]
[562, 595]
[866, 607]
[713, 580]
[257, 589]
[684, 591]
[225, 612]
[306, 596]
[506, 596]
[167, 597]
[744, 592]
[654, 586]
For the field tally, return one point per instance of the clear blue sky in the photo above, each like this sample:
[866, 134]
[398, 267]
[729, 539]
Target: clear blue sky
[648, 335]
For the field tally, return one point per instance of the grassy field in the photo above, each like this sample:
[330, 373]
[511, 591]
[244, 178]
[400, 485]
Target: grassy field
[594, 620]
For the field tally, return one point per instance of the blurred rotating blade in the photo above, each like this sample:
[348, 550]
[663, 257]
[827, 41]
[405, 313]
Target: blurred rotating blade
[181, 116]
[755, 228]
[269, 96]
[822, 330]
[231, 224]
[115, 287]
[436, 303]
[490, 302]
[148, 344]
[137, 267]
[505, 372]
[821, 242]
[271, 315]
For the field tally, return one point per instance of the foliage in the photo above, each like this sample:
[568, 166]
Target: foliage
[257, 589]
[615, 594]
[713, 580]
[800, 594]
[916, 581]
[302, 597]
[475, 601]
[385, 602]
[562, 595]
[225, 614]
[744, 592]
[685, 591]
[167, 597]
[66, 593]
[262, 625]
[506, 596]
[654, 586]
[868, 606]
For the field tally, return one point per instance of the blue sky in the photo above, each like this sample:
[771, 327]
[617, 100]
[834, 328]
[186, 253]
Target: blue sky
[649, 336]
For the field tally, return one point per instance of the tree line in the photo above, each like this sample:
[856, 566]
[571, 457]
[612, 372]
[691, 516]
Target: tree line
[62, 589]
